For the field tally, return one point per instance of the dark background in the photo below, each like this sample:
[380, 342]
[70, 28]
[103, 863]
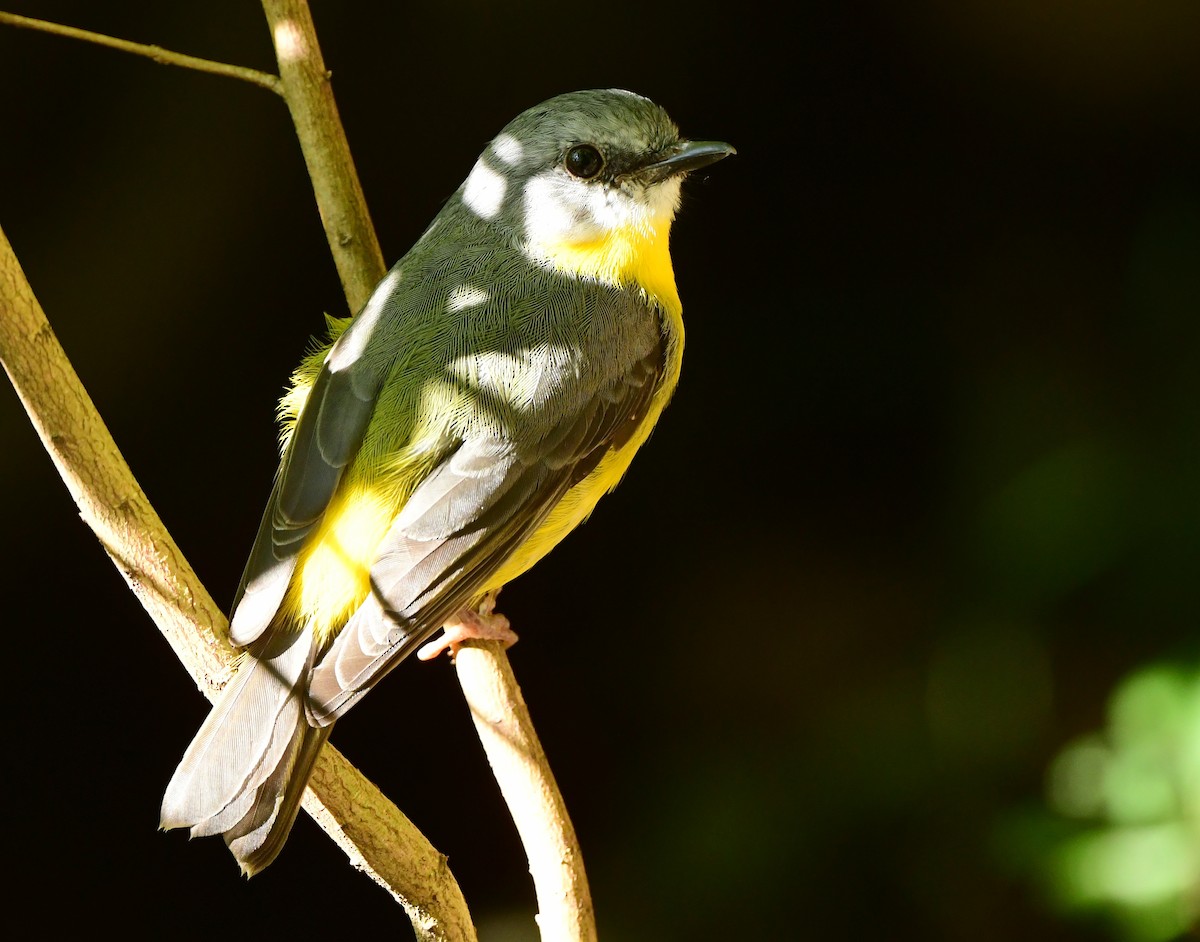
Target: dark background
[927, 491]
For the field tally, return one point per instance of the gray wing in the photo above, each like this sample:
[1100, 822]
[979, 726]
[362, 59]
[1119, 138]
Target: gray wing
[327, 435]
[458, 528]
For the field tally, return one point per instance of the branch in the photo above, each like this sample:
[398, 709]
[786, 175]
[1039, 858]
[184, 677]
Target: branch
[389, 848]
[502, 720]
[340, 199]
[377, 837]
[110, 500]
[157, 53]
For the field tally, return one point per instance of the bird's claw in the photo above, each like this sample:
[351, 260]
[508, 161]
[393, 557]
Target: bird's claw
[482, 624]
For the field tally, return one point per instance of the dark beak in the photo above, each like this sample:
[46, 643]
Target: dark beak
[684, 157]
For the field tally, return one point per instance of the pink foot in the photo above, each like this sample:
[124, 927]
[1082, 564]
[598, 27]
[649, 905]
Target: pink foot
[483, 624]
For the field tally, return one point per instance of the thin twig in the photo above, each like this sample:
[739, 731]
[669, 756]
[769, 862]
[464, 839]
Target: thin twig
[157, 53]
[309, 97]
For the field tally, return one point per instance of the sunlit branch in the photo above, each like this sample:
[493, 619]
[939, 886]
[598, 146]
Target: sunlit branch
[309, 97]
[502, 720]
[376, 836]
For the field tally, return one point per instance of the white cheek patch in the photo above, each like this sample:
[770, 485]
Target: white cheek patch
[561, 209]
[556, 210]
[608, 208]
[484, 190]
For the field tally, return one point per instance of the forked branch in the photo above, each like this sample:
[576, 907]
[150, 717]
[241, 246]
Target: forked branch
[373, 832]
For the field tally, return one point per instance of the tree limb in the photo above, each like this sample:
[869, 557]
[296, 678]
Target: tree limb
[110, 500]
[376, 836]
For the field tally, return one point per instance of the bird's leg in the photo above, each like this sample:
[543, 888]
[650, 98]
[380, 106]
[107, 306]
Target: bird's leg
[480, 623]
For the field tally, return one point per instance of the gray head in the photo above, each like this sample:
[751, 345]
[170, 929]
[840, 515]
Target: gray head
[583, 166]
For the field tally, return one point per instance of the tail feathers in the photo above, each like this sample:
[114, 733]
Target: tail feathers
[266, 764]
[259, 836]
[244, 773]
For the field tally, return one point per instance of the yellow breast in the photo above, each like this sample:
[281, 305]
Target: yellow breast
[635, 259]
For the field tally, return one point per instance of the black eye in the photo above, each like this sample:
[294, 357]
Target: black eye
[583, 161]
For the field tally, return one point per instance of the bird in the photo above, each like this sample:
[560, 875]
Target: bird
[442, 440]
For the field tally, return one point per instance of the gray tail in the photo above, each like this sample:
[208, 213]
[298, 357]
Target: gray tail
[244, 773]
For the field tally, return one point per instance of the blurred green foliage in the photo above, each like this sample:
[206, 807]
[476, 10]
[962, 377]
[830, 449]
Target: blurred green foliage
[1119, 837]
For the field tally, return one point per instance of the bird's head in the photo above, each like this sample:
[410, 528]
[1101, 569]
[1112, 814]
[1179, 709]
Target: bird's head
[586, 172]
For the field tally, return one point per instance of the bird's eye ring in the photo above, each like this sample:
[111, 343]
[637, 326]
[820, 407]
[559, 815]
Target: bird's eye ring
[583, 161]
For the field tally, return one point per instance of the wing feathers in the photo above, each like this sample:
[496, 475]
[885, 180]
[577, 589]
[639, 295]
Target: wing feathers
[459, 491]
[327, 435]
[326, 438]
